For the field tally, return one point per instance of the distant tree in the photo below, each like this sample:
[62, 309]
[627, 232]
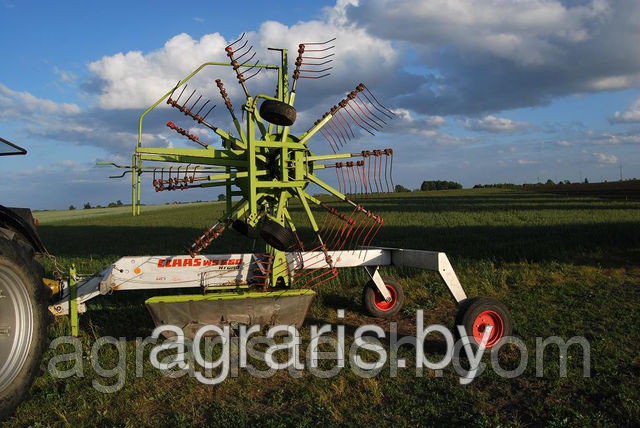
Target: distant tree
[221, 197]
[586, 180]
[401, 188]
[549, 183]
[112, 205]
[497, 186]
[439, 185]
[119, 203]
[87, 206]
[71, 208]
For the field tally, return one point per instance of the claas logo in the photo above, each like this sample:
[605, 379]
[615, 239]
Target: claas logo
[196, 262]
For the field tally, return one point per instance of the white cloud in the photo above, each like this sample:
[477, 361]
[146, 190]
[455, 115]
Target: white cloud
[604, 158]
[525, 31]
[632, 115]
[493, 55]
[563, 143]
[16, 104]
[527, 162]
[494, 124]
[607, 138]
[64, 76]
[612, 83]
[136, 79]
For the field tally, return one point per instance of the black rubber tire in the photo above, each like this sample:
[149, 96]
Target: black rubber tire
[243, 228]
[19, 258]
[277, 236]
[470, 309]
[370, 295]
[278, 113]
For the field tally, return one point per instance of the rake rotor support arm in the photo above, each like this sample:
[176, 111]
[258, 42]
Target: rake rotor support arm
[185, 80]
[191, 156]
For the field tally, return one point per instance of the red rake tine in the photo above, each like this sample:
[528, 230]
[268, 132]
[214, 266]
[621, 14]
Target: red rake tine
[333, 222]
[357, 228]
[376, 232]
[332, 272]
[363, 184]
[185, 103]
[338, 133]
[323, 133]
[375, 171]
[365, 117]
[386, 173]
[379, 155]
[377, 221]
[344, 183]
[340, 122]
[356, 120]
[335, 230]
[389, 152]
[360, 101]
[362, 85]
[370, 219]
[334, 240]
[346, 123]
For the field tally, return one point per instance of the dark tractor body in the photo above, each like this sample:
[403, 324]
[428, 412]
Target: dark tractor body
[24, 317]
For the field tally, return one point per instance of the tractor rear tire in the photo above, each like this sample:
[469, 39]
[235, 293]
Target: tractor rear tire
[24, 322]
[279, 237]
[278, 113]
[375, 304]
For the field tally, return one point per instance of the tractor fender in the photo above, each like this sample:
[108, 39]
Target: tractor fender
[20, 221]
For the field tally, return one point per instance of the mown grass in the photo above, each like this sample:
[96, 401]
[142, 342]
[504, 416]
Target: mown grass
[564, 265]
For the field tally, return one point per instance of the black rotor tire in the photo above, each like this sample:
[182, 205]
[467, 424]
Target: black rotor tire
[278, 113]
[471, 310]
[375, 304]
[243, 228]
[18, 258]
[279, 237]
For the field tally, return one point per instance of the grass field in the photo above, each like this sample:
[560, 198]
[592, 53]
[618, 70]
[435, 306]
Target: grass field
[564, 265]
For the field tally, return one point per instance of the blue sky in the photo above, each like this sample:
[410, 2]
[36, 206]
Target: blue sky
[485, 92]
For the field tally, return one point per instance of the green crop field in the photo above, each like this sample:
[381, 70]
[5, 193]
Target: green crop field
[565, 266]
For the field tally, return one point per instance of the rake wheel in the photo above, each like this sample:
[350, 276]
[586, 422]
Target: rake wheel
[277, 236]
[278, 113]
[375, 303]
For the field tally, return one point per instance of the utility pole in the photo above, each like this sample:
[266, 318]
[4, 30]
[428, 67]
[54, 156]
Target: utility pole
[620, 171]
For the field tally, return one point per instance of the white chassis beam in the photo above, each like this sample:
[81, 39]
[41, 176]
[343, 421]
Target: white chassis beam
[233, 270]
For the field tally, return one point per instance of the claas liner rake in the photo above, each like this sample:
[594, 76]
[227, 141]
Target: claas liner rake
[263, 167]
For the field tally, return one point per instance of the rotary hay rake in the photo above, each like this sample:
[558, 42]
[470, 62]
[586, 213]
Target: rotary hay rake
[263, 168]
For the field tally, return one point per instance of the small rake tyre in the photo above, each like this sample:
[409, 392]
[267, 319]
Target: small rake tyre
[376, 305]
[243, 228]
[24, 320]
[476, 314]
[278, 113]
[277, 236]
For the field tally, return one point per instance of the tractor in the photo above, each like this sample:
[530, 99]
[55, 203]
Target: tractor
[24, 300]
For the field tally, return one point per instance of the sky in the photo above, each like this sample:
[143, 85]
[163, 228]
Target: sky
[484, 92]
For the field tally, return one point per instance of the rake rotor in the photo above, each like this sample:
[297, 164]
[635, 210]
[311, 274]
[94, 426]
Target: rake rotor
[265, 166]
